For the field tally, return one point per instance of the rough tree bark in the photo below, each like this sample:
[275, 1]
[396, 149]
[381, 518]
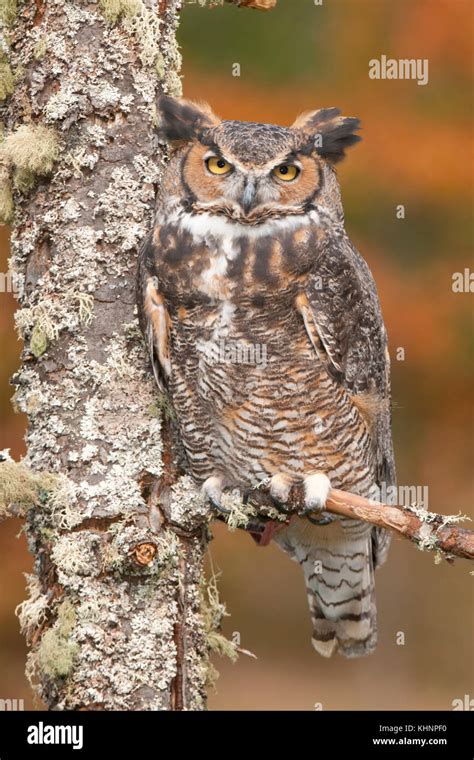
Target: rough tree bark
[113, 615]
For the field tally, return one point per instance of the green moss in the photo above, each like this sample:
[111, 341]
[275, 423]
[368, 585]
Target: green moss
[56, 652]
[7, 80]
[31, 150]
[21, 486]
[8, 11]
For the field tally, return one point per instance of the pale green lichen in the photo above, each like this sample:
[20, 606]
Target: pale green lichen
[168, 70]
[173, 84]
[212, 611]
[114, 9]
[189, 508]
[22, 487]
[120, 553]
[163, 407]
[42, 322]
[85, 303]
[75, 556]
[7, 80]
[38, 341]
[139, 21]
[427, 539]
[6, 197]
[46, 534]
[56, 652]
[62, 499]
[160, 65]
[31, 150]
[453, 519]
[145, 27]
[239, 513]
[40, 48]
[8, 11]
[33, 611]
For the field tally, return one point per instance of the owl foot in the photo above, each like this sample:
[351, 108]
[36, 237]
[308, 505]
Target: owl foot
[262, 531]
[316, 489]
[309, 494]
[212, 489]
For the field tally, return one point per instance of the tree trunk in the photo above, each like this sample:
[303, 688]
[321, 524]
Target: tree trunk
[118, 533]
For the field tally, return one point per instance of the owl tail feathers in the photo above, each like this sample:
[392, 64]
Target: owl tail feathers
[339, 574]
[353, 634]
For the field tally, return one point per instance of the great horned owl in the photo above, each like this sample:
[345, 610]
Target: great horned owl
[249, 254]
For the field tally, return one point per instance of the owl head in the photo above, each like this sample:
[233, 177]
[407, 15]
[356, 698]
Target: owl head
[252, 172]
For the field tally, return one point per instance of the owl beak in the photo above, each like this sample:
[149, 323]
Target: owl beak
[248, 196]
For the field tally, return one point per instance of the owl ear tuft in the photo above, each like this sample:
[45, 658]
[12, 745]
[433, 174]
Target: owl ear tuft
[331, 132]
[181, 120]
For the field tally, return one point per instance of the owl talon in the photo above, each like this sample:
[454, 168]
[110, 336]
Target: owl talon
[312, 490]
[281, 507]
[325, 518]
[280, 489]
[217, 506]
[212, 490]
[316, 490]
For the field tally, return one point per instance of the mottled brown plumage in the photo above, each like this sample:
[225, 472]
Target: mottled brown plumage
[264, 326]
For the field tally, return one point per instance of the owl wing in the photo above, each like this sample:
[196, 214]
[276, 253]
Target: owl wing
[153, 315]
[343, 318]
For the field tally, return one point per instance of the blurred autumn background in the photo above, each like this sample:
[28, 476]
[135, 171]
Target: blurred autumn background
[416, 151]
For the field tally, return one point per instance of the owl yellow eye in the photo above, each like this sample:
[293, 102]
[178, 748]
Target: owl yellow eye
[218, 165]
[286, 172]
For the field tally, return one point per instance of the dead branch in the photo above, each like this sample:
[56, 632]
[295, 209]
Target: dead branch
[428, 530]
[261, 5]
